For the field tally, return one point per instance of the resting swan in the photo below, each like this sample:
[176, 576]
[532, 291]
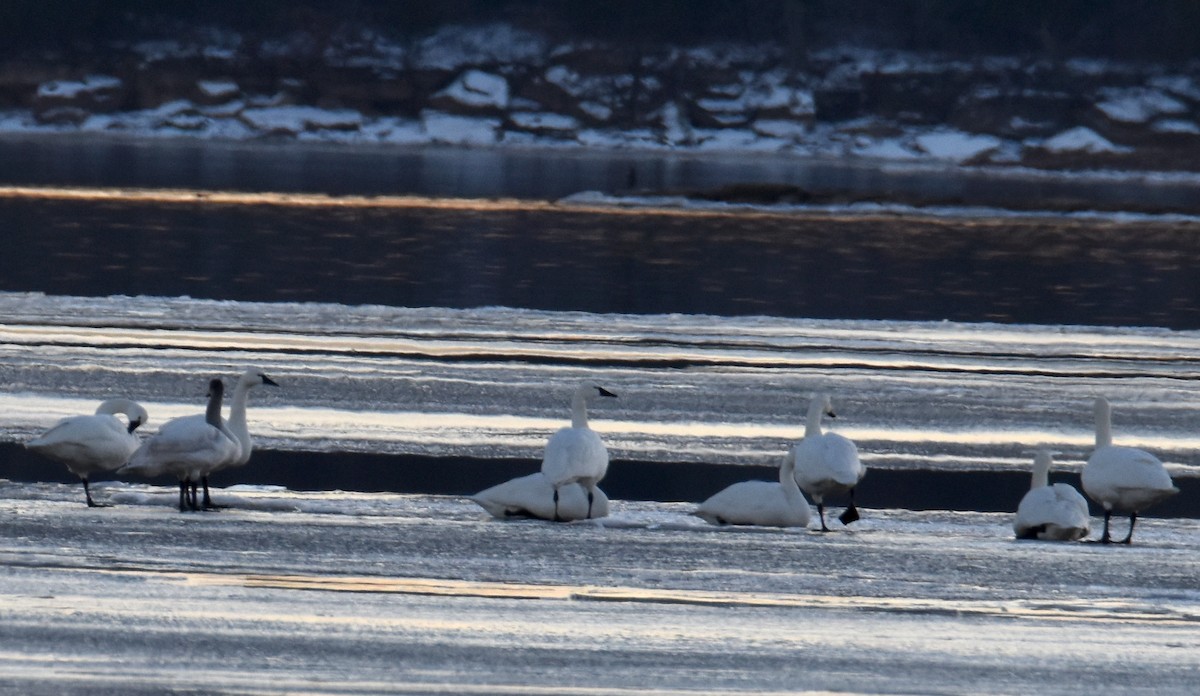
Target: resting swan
[88, 444]
[533, 496]
[1055, 513]
[1122, 478]
[827, 463]
[185, 446]
[576, 454]
[763, 503]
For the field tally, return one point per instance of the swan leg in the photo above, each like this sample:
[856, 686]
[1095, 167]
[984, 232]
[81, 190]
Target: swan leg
[589, 515]
[1132, 521]
[1105, 538]
[183, 495]
[851, 513]
[556, 517]
[208, 504]
[192, 498]
[821, 513]
[87, 493]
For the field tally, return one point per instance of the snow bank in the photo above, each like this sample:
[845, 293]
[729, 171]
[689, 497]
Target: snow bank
[1081, 140]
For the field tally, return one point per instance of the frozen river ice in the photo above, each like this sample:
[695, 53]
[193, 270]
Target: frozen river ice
[344, 592]
[348, 593]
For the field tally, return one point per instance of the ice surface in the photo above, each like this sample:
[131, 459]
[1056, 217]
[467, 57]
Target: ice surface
[353, 593]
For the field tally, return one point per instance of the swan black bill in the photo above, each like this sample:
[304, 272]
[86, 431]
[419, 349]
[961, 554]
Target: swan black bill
[605, 392]
[268, 380]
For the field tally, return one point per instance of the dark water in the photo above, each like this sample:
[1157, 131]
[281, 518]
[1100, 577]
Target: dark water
[980, 491]
[1050, 270]
[91, 160]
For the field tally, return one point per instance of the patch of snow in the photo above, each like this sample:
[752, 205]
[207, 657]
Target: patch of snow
[956, 145]
[884, 148]
[218, 89]
[68, 89]
[296, 119]
[1081, 139]
[397, 131]
[1176, 126]
[734, 139]
[596, 110]
[779, 128]
[454, 47]
[478, 89]
[1137, 104]
[543, 121]
[1180, 85]
[676, 128]
[459, 130]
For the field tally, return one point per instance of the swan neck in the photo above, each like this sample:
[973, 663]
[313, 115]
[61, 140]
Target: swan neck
[212, 415]
[579, 417]
[1041, 474]
[787, 475]
[1103, 423]
[812, 427]
[237, 408]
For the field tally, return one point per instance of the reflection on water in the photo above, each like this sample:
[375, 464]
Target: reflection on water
[430, 252]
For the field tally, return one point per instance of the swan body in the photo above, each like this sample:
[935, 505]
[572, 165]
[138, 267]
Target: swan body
[826, 464]
[1053, 513]
[533, 496]
[95, 443]
[576, 454]
[1124, 479]
[184, 447]
[764, 503]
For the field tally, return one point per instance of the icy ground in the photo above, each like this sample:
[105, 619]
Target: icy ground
[345, 593]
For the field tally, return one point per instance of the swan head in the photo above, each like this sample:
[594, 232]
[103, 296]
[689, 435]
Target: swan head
[137, 419]
[252, 378]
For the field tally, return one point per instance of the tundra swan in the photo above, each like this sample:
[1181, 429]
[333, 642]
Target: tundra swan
[1122, 478]
[826, 463]
[182, 447]
[1056, 513]
[533, 496]
[575, 454]
[88, 444]
[763, 503]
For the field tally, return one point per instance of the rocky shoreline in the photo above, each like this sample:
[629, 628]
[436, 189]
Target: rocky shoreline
[499, 85]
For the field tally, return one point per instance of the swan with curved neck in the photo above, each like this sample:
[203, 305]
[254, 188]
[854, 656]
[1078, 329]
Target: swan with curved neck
[185, 446]
[1122, 478]
[94, 443]
[576, 454]
[827, 463]
[763, 503]
[1050, 512]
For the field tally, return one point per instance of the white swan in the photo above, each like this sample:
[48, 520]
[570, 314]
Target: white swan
[88, 444]
[237, 425]
[760, 502]
[533, 496]
[183, 447]
[576, 454]
[1057, 513]
[1122, 478]
[826, 463]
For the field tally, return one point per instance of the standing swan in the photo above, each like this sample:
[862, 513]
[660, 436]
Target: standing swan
[826, 463]
[87, 444]
[237, 425]
[185, 446]
[760, 502]
[1122, 478]
[576, 454]
[1055, 513]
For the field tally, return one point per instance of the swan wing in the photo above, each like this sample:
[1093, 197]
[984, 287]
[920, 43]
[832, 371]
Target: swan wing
[574, 454]
[180, 447]
[826, 464]
[1126, 478]
[87, 443]
[1056, 512]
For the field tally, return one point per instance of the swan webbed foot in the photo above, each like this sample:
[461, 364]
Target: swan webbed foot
[93, 504]
[849, 515]
[87, 494]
